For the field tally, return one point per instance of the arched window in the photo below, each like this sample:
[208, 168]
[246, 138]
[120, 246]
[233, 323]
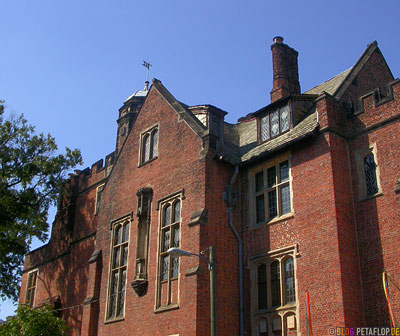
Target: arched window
[262, 286]
[177, 211]
[169, 265]
[119, 261]
[167, 215]
[154, 144]
[149, 145]
[146, 148]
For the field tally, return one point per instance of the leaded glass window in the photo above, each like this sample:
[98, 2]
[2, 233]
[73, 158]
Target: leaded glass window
[272, 192]
[119, 261]
[264, 128]
[168, 265]
[370, 174]
[284, 118]
[274, 123]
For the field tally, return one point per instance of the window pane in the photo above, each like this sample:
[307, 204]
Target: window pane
[289, 280]
[274, 123]
[164, 268]
[112, 307]
[263, 328]
[121, 293]
[264, 128]
[175, 242]
[284, 118]
[124, 255]
[116, 257]
[166, 239]
[259, 181]
[277, 326]
[146, 148]
[118, 235]
[30, 278]
[175, 267]
[370, 174]
[260, 208]
[262, 286]
[177, 211]
[167, 215]
[154, 143]
[272, 206]
[271, 176]
[275, 284]
[285, 199]
[284, 171]
[125, 236]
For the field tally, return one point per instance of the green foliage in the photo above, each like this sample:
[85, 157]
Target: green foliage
[31, 174]
[33, 322]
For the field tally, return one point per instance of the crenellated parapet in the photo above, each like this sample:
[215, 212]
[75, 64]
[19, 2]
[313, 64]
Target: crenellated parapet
[376, 109]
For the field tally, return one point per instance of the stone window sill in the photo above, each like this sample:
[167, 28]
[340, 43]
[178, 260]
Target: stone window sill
[118, 319]
[148, 161]
[365, 198]
[161, 309]
[274, 221]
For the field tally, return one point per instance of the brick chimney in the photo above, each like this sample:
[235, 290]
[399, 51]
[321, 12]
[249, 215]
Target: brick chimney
[286, 71]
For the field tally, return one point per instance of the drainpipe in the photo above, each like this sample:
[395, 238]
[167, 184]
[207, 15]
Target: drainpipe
[230, 196]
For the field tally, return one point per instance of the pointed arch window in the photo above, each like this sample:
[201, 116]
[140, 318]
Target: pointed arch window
[118, 270]
[149, 145]
[273, 290]
[168, 266]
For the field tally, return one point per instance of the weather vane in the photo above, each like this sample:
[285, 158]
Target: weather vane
[147, 65]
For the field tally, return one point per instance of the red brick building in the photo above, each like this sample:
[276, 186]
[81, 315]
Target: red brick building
[301, 195]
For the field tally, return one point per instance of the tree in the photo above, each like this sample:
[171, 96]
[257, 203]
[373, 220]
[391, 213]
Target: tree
[31, 174]
[33, 322]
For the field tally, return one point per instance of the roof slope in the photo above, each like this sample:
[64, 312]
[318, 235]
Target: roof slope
[331, 85]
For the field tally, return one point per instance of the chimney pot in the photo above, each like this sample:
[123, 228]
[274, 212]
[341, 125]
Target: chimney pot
[278, 39]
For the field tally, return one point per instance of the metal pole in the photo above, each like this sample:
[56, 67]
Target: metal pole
[213, 292]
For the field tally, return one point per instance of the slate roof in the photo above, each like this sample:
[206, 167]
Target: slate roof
[330, 86]
[241, 146]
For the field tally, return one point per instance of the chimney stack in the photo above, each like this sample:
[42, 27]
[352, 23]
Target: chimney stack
[285, 68]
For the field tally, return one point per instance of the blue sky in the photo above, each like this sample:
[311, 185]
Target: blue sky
[69, 65]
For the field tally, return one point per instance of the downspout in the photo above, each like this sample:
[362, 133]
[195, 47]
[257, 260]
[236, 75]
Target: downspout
[229, 199]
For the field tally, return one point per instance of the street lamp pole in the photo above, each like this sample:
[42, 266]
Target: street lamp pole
[213, 291]
[176, 252]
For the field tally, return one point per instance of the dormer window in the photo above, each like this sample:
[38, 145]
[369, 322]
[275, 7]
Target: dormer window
[274, 123]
